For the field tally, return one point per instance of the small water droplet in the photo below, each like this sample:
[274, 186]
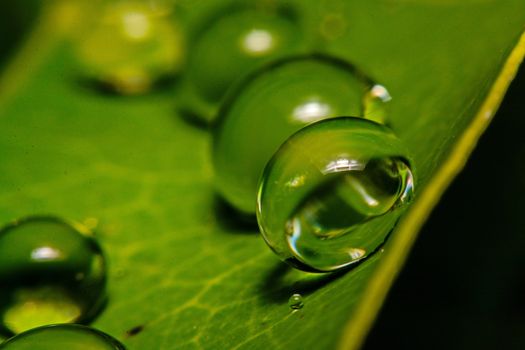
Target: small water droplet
[374, 103]
[357, 181]
[50, 272]
[296, 302]
[130, 47]
[233, 43]
[62, 336]
[271, 105]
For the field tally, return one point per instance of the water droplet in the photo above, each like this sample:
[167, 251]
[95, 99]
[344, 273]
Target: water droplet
[356, 183]
[50, 272]
[62, 336]
[271, 105]
[296, 302]
[374, 103]
[130, 47]
[232, 44]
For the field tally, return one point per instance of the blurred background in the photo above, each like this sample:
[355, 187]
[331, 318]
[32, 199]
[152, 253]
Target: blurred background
[464, 283]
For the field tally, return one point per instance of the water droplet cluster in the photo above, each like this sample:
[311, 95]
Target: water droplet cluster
[298, 139]
[271, 105]
[231, 44]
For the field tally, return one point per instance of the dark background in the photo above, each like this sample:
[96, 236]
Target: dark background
[463, 286]
[16, 20]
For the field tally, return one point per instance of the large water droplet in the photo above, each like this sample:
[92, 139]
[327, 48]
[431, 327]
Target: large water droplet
[271, 105]
[62, 337]
[232, 44]
[130, 47]
[50, 272]
[333, 192]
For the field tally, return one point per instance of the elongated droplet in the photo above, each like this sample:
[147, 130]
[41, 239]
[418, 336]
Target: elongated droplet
[62, 337]
[50, 272]
[130, 47]
[273, 104]
[233, 43]
[296, 302]
[333, 192]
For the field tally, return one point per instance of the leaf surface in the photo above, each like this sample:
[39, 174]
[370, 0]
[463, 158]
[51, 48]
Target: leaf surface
[182, 269]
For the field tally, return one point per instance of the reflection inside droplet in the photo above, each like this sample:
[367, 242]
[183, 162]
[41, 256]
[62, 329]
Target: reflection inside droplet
[343, 164]
[45, 253]
[33, 307]
[296, 181]
[380, 92]
[258, 42]
[311, 111]
[356, 253]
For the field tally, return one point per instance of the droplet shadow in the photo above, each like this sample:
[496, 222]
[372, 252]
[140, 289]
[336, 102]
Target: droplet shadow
[193, 119]
[231, 220]
[283, 281]
[104, 89]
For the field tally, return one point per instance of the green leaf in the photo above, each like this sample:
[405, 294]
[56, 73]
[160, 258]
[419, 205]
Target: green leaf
[181, 269]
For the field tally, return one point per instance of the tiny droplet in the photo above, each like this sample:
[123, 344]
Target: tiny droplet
[296, 302]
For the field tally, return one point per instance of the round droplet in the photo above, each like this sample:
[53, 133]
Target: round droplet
[232, 44]
[296, 302]
[50, 272]
[130, 47]
[271, 105]
[62, 337]
[333, 192]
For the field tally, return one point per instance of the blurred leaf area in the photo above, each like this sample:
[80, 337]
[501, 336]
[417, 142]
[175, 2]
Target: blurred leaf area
[463, 286]
[16, 19]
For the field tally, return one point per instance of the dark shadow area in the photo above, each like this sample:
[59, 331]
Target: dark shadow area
[17, 19]
[231, 220]
[100, 88]
[134, 331]
[463, 286]
[283, 280]
[194, 119]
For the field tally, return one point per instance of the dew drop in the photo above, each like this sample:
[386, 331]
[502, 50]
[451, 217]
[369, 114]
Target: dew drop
[356, 182]
[233, 43]
[375, 103]
[130, 47]
[272, 104]
[50, 272]
[62, 336]
[296, 302]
